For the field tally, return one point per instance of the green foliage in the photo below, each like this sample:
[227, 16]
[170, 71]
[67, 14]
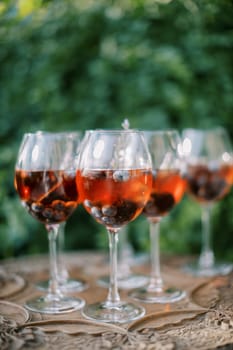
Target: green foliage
[67, 65]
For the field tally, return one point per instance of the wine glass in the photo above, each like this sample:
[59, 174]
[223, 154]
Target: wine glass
[167, 190]
[45, 182]
[66, 283]
[114, 182]
[209, 176]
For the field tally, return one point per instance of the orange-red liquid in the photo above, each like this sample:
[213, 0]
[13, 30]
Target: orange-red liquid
[49, 196]
[168, 188]
[114, 198]
[209, 185]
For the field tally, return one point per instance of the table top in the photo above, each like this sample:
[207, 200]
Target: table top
[202, 320]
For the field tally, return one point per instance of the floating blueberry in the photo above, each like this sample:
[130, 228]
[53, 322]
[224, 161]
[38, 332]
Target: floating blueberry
[109, 210]
[95, 211]
[48, 213]
[121, 175]
[108, 220]
[59, 215]
[37, 207]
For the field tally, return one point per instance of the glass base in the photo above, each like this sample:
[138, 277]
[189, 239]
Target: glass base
[217, 269]
[60, 305]
[125, 282]
[69, 286]
[123, 312]
[169, 295]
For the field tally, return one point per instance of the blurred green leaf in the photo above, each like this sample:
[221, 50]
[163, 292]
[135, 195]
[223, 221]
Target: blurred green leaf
[67, 65]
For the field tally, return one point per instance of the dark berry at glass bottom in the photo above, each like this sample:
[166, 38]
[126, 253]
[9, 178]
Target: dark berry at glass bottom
[114, 198]
[209, 185]
[49, 196]
[168, 188]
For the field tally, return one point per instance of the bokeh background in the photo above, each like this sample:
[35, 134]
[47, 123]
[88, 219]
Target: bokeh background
[85, 64]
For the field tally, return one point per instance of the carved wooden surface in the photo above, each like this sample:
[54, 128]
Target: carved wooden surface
[203, 320]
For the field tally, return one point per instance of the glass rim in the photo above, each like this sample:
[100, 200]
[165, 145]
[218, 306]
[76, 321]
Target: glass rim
[52, 135]
[205, 130]
[45, 132]
[160, 132]
[117, 131]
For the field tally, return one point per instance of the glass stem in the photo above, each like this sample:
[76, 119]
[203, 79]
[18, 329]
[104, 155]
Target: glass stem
[124, 254]
[113, 298]
[62, 273]
[156, 282]
[206, 259]
[54, 291]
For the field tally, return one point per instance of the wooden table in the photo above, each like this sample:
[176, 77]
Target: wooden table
[203, 320]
